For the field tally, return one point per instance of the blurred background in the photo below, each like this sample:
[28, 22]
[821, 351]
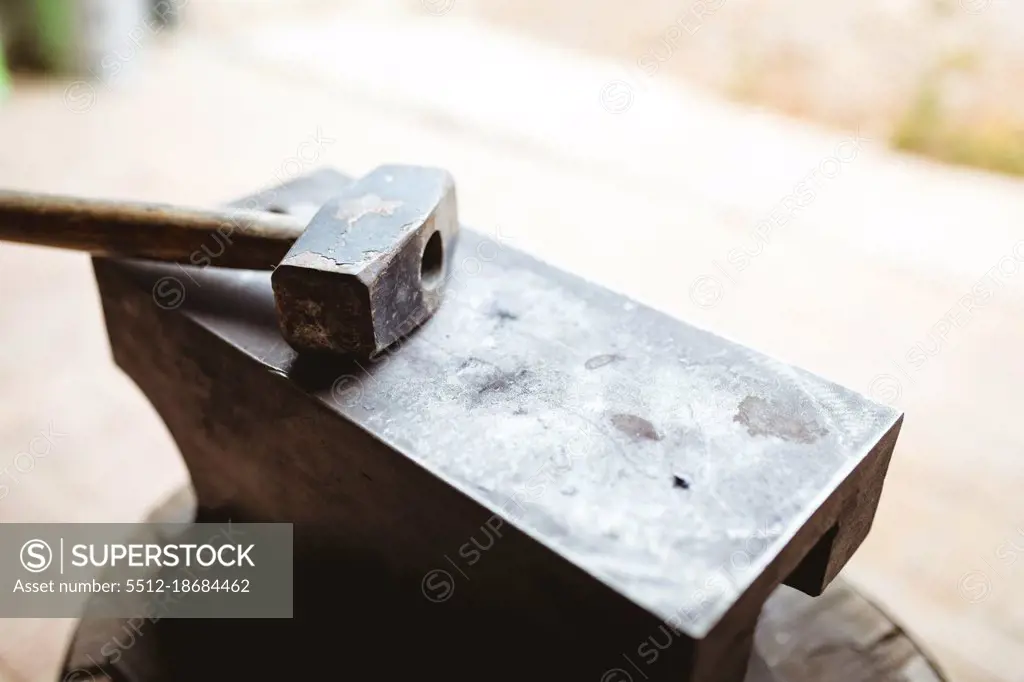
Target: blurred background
[834, 183]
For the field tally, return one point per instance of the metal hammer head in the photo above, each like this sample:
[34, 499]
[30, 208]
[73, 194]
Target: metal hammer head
[372, 264]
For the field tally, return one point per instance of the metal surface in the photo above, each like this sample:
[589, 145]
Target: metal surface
[372, 264]
[583, 471]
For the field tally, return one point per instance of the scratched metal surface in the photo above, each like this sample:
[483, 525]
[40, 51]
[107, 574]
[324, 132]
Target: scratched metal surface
[375, 216]
[667, 461]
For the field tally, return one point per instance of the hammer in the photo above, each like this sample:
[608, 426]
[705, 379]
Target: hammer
[369, 267]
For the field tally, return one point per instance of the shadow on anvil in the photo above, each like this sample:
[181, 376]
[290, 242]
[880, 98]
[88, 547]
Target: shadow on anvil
[357, 617]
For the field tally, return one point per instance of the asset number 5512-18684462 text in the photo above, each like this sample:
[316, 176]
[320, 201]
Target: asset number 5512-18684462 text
[186, 585]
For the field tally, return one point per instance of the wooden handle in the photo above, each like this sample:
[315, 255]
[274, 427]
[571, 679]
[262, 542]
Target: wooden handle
[231, 238]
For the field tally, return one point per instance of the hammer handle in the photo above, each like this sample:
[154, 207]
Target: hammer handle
[232, 238]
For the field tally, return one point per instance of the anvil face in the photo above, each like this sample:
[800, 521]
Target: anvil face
[620, 456]
[668, 462]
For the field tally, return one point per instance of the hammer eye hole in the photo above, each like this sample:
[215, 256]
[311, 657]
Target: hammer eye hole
[432, 263]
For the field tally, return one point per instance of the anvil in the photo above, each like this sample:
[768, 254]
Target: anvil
[546, 479]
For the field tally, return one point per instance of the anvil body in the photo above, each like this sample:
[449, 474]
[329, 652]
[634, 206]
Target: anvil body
[545, 479]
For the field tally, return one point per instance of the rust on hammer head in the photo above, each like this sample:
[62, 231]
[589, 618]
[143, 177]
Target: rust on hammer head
[372, 264]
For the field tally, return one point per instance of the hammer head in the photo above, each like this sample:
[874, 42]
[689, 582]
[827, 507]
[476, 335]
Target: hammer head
[372, 264]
